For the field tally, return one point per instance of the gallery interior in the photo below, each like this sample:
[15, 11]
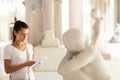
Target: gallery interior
[48, 20]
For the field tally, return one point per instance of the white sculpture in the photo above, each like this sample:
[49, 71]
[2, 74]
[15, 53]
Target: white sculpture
[98, 33]
[82, 61]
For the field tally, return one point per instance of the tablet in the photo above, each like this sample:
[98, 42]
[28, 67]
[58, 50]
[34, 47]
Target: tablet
[40, 61]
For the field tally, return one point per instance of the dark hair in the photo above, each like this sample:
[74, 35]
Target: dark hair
[18, 26]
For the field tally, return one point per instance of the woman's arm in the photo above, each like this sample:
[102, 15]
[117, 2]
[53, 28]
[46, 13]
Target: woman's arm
[10, 69]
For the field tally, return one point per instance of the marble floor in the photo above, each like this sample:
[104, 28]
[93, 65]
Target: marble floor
[48, 76]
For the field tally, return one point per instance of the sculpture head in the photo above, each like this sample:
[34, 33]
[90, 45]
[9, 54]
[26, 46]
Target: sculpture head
[95, 14]
[74, 40]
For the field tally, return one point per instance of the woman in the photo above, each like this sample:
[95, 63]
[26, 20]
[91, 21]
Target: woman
[18, 54]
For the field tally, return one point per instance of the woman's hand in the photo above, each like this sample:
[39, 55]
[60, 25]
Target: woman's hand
[29, 63]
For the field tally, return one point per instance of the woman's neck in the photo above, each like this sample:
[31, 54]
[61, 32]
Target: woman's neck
[19, 45]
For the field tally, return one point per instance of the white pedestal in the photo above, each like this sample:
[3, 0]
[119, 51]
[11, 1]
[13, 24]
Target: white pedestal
[49, 70]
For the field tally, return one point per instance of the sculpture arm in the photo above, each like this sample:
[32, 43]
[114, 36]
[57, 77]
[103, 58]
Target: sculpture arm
[77, 61]
[99, 30]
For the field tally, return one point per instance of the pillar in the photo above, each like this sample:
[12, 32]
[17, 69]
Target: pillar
[48, 15]
[76, 17]
[34, 21]
[57, 18]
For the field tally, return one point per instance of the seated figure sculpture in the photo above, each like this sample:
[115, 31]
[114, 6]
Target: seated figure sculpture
[82, 61]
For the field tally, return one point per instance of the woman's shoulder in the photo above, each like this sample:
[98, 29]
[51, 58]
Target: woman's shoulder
[8, 45]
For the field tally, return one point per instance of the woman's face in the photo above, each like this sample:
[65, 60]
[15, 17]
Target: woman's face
[21, 36]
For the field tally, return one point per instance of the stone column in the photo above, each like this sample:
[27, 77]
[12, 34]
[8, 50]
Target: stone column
[48, 15]
[34, 21]
[76, 17]
[57, 18]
